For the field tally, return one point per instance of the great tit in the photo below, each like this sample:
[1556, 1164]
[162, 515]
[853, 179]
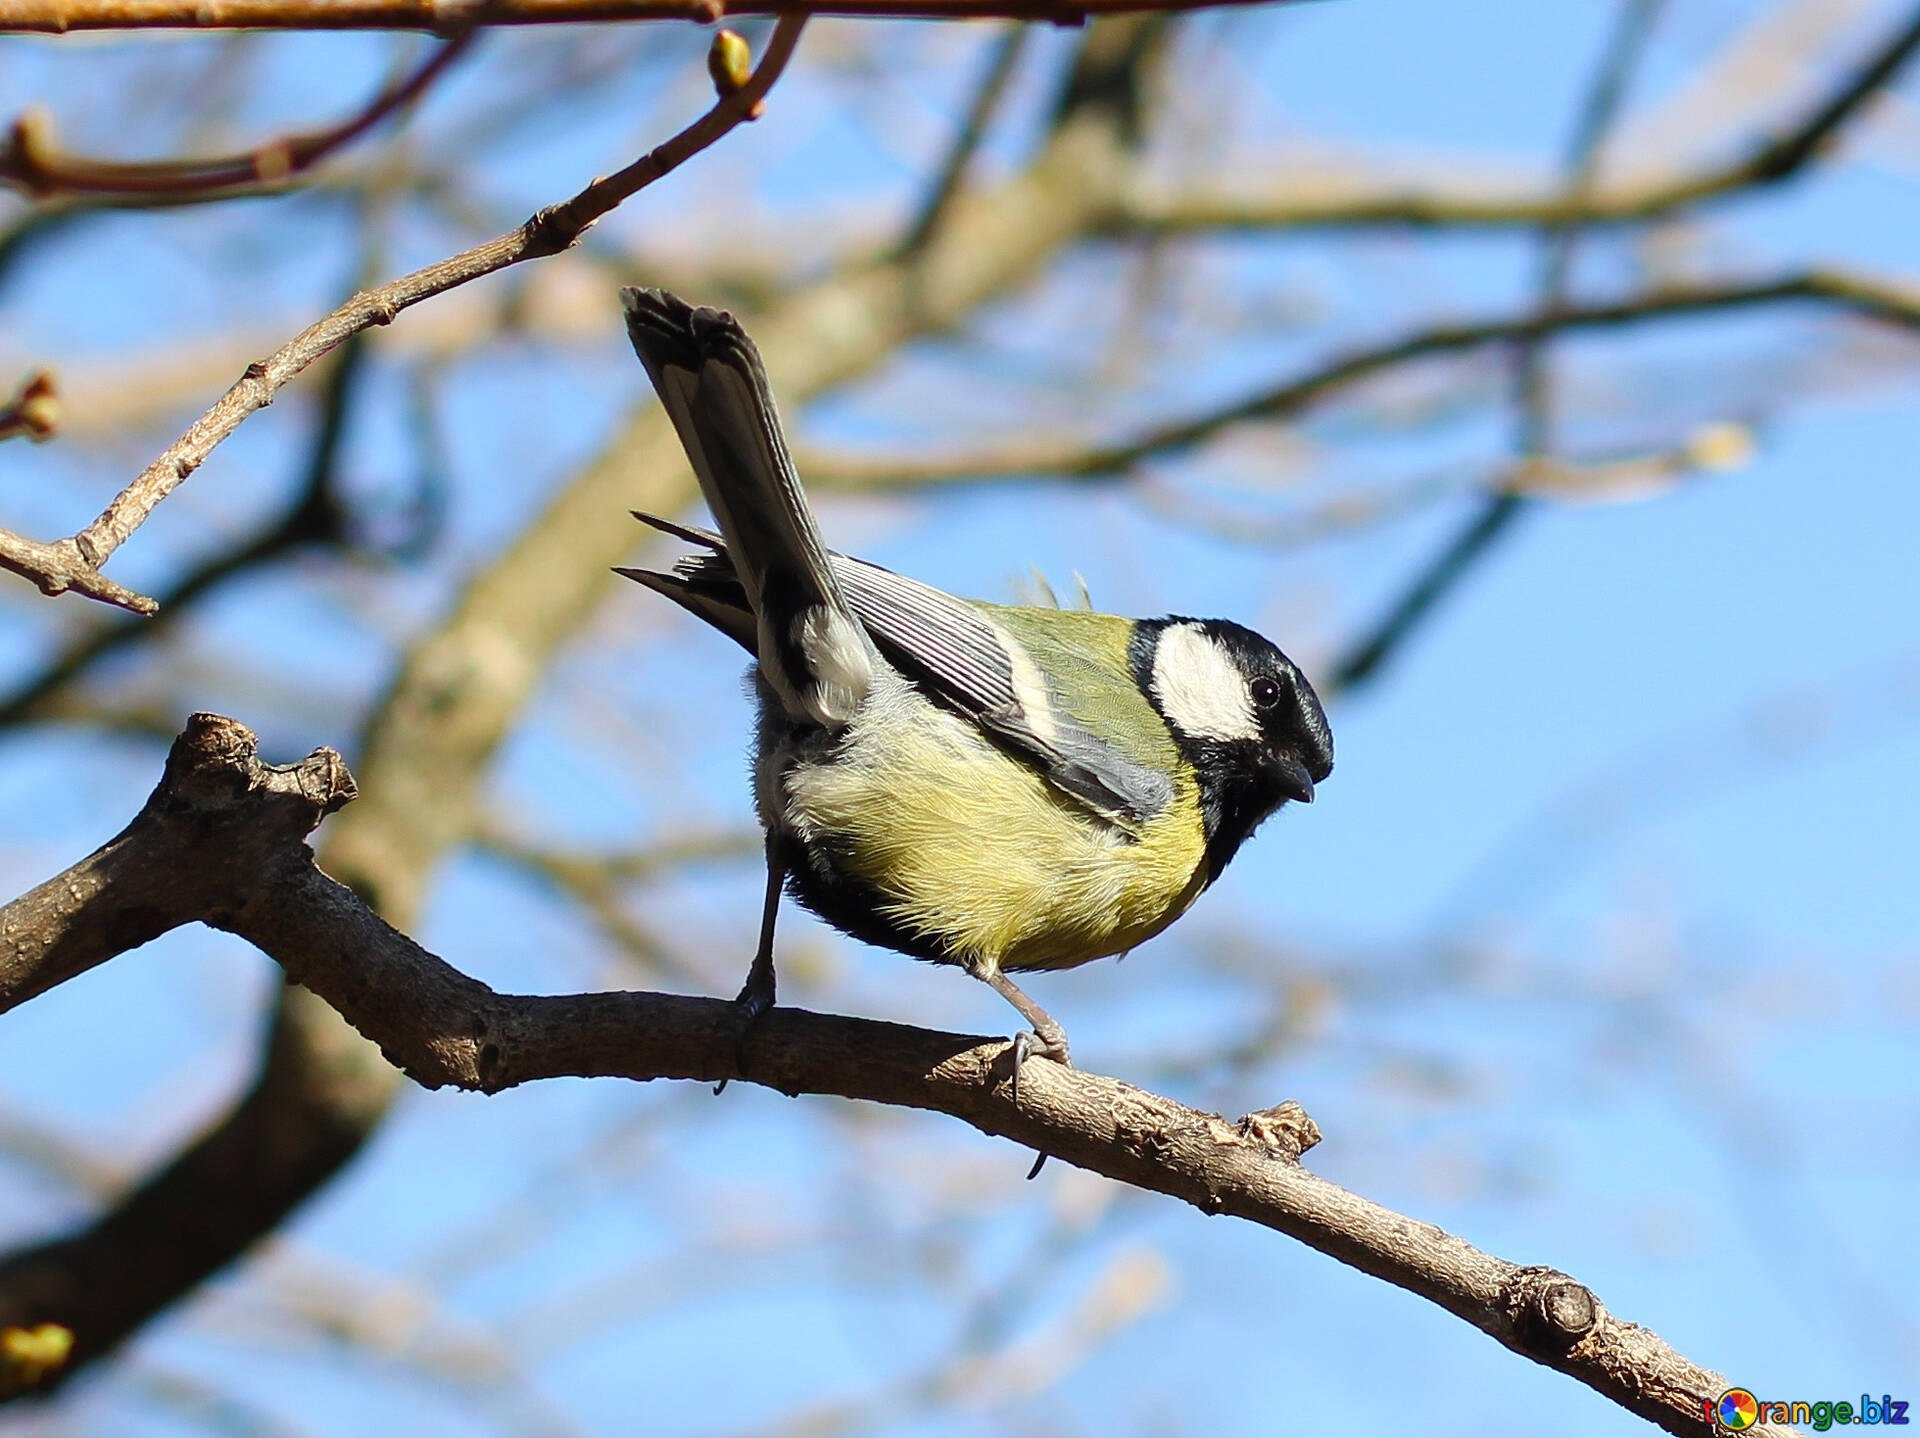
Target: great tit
[1003, 789]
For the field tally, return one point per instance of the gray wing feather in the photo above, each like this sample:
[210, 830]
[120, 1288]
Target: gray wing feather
[949, 645]
[946, 636]
[952, 650]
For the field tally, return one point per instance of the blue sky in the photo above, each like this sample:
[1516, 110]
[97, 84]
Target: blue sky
[1600, 940]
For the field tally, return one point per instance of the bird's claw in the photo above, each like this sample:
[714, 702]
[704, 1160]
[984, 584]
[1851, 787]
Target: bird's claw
[1026, 1044]
[1029, 1043]
[751, 1005]
[754, 999]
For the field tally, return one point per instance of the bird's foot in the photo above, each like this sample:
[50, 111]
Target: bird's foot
[756, 995]
[754, 1000]
[1047, 1043]
[1046, 1038]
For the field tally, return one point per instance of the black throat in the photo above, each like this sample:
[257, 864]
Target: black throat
[1238, 789]
[1237, 794]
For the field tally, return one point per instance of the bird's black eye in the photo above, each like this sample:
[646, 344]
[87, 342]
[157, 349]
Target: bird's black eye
[1266, 693]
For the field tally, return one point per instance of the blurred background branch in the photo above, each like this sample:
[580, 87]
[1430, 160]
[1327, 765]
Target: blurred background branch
[1605, 897]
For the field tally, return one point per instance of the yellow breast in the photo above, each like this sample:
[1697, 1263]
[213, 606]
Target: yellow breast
[972, 848]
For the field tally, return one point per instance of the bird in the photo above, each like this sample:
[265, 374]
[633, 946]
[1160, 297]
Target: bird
[1000, 788]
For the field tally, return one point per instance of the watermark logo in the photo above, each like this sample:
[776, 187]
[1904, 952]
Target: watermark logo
[1738, 1409]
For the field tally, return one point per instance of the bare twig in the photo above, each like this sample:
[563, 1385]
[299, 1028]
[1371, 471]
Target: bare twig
[221, 842]
[61, 566]
[33, 161]
[34, 226]
[1795, 149]
[575, 868]
[597, 882]
[440, 16]
[548, 232]
[1609, 477]
[991, 1363]
[315, 517]
[34, 411]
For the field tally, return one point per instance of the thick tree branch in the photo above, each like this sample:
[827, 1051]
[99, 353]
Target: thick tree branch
[218, 821]
[221, 841]
[546, 233]
[33, 160]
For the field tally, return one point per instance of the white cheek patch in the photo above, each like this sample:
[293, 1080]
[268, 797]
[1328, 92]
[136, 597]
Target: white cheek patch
[1199, 688]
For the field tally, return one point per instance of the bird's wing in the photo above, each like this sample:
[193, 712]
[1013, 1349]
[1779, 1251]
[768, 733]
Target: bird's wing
[979, 669]
[715, 390]
[954, 652]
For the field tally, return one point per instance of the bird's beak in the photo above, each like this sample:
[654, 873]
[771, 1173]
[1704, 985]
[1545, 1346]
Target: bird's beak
[1295, 781]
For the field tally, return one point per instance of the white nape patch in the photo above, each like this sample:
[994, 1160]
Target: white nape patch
[840, 661]
[1199, 688]
[1030, 690]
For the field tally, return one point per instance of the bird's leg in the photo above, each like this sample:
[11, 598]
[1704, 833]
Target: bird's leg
[1046, 1039]
[756, 995]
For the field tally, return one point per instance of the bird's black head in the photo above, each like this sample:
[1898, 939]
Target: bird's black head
[1243, 715]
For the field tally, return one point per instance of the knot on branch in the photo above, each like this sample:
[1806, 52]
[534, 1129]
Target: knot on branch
[552, 229]
[1285, 1131]
[214, 772]
[1551, 1311]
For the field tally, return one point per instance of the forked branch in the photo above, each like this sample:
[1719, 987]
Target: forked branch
[221, 842]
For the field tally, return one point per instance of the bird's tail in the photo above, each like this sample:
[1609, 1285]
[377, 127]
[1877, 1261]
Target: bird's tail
[702, 584]
[812, 650]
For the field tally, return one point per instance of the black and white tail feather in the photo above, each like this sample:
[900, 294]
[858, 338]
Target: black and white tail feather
[814, 654]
